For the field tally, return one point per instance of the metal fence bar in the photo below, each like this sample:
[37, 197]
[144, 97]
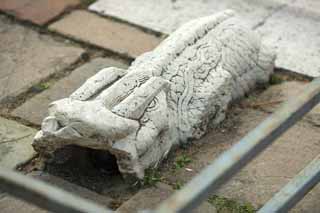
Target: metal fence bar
[44, 195]
[240, 154]
[295, 190]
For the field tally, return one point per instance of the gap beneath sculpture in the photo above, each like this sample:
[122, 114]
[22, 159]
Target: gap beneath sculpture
[90, 168]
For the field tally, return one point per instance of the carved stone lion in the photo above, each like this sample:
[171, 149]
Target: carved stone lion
[168, 96]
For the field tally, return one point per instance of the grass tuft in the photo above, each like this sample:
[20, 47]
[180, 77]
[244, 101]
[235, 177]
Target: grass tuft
[151, 177]
[182, 161]
[87, 2]
[225, 205]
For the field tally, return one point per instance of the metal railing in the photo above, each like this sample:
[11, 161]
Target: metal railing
[209, 180]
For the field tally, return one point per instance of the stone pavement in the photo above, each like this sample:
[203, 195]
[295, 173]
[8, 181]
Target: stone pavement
[149, 198]
[37, 11]
[36, 108]
[27, 57]
[15, 143]
[291, 27]
[56, 45]
[272, 169]
[9, 204]
[118, 37]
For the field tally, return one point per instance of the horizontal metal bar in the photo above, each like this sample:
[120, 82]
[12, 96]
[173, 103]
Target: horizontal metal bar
[241, 153]
[295, 190]
[44, 195]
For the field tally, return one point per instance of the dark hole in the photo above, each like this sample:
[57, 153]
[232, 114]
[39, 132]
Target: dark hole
[89, 168]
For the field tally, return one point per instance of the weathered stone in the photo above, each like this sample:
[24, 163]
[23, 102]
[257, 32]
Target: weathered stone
[72, 188]
[294, 33]
[15, 143]
[10, 204]
[309, 7]
[37, 11]
[271, 99]
[35, 109]
[167, 15]
[26, 57]
[167, 96]
[265, 175]
[11, 5]
[292, 27]
[106, 33]
[151, 197]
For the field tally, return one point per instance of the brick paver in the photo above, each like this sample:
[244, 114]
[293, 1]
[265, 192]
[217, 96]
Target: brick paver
[26, 57]
[35, 109]
[15, 143]
[37, 11]
[106, 33]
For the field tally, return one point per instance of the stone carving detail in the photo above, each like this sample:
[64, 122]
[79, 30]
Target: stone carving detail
[168, 96]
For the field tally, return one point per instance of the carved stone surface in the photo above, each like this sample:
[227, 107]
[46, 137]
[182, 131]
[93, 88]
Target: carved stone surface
[168, 96]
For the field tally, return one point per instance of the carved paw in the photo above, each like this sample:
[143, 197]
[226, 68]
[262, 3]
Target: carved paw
[123, 115]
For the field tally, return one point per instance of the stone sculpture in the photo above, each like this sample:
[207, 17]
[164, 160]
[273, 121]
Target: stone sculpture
[168, 96]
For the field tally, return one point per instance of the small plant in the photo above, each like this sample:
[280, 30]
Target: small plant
[87, 2]
[223, 204]
[40, 87]
[182, 161]
[151, 177]
[178, 185]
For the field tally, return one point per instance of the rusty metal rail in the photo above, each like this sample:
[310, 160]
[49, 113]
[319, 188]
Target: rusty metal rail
[198, 189]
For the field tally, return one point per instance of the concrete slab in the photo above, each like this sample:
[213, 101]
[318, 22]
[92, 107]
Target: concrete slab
[151, 197]
[271, 99]
[291, 27]
[26, 57]
[311, 7]
[106, 33]
[294, 33]
[269, 172]
[35, 109]
[10, 204]
[37, 11]
[15, 143]
[165, 16]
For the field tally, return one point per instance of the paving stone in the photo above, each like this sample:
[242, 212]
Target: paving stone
[309, 6]
[291, 27]
[271, 99]
[10, 204]
[106, 33]
[269, 172]
[15, 143]
[10, 5]
[165, 16]
[37, 11]
[26, 57]
[35, 109]
[295, 34]
[151, 197]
